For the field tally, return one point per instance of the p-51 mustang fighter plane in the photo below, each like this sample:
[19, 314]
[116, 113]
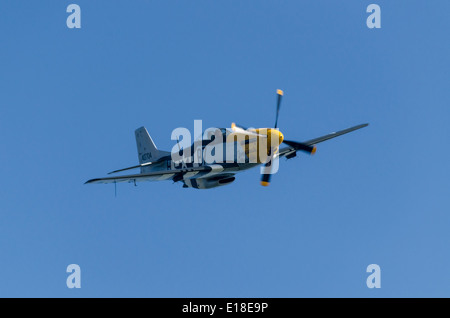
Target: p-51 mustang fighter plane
[254, 146]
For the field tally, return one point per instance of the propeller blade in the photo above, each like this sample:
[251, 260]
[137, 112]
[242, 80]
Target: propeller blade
[301, 146]
[265, 178]
[267, 170]
[280, 94]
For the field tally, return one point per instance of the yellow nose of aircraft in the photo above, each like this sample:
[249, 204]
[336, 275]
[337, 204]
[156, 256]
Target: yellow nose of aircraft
[276, 136]
[274, 139]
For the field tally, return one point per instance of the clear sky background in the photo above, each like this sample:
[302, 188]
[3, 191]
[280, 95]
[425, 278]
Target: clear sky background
[70, 100]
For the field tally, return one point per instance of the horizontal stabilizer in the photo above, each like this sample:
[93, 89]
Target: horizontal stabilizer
[142, 165]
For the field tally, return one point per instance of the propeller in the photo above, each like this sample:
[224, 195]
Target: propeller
[266, 170]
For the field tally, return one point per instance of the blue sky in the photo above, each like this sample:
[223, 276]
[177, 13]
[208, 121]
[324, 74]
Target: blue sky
[70, 100]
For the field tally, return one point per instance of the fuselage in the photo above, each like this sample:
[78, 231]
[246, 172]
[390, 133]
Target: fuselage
[222, 158]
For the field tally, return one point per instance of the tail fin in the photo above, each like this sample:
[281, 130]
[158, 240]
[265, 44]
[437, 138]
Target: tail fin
[147, 150]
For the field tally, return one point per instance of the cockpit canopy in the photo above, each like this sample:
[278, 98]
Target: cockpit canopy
[210, 135]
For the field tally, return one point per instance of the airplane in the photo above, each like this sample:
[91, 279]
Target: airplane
[250, 147]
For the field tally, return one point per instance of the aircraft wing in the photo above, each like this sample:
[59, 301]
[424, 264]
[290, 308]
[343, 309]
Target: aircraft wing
[334, 134]
[287, 151]
[176, 175]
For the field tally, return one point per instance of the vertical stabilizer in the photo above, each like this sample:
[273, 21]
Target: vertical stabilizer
[147, 150]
